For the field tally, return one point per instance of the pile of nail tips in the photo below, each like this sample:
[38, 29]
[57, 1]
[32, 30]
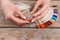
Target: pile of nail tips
[47, 20]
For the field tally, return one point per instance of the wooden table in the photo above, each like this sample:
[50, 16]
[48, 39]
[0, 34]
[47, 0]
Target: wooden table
[29, 33]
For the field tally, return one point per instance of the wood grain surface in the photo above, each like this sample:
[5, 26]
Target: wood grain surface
[29, 34]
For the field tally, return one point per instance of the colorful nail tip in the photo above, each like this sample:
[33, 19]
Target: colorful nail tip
[55, 11]
[46, 24]
[54, 19]
[49, 23]
[41, 26]
[55, 16]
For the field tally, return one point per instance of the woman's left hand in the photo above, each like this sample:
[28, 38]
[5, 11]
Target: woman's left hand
[41, 12]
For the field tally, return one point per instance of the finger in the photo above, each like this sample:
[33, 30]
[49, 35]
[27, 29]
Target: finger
[41, 10]
[36, 7]
[17, 20]
[20, 14]
[41, 16]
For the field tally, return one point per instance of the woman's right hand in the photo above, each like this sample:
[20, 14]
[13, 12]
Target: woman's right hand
[9, 9]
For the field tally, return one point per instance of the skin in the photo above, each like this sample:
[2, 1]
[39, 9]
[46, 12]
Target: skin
[41, 12]
[9, 8]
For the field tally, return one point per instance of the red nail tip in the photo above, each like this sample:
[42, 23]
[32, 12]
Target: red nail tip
[41, 26]
[49, 22]
[46, 24]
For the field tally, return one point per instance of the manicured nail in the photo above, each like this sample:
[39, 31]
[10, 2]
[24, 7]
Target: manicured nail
[32, 20]
[24, 17]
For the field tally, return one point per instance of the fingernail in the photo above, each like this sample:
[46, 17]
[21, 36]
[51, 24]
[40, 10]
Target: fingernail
[24, 17]
[32, 20]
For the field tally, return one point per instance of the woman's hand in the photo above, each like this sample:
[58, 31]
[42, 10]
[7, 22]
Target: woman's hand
[41, 12]
[9, 9]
